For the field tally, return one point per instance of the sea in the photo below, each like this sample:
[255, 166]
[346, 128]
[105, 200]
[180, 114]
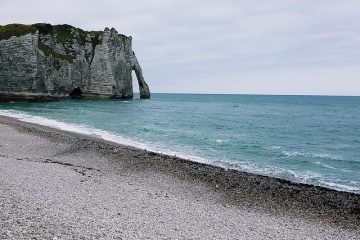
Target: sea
[306, 139]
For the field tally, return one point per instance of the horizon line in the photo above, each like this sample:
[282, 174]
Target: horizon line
[261, 94]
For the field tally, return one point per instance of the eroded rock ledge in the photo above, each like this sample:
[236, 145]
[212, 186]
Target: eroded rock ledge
[46, 62]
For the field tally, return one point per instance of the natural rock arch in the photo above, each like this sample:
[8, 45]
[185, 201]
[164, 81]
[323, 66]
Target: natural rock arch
[143, 87]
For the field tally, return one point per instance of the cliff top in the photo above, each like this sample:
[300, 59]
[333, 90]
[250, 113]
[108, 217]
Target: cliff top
[63, 34]
[61, 31]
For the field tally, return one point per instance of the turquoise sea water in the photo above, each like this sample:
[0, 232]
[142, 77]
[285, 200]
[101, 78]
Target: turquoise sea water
[309, 139]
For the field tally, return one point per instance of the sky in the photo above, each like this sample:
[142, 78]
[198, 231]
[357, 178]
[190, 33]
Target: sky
[228, 46]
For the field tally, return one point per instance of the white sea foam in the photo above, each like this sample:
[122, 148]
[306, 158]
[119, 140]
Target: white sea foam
[307, 177]
[312, 155]
[325, 155]
[340, 187]
[102, 134]
[333, 167]
[293, 154]
[221, 141]
[275, 147]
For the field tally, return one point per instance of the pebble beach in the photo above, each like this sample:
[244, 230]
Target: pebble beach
[61, 185]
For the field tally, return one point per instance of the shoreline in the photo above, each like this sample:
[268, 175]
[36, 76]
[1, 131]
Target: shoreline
[237, 189]
[111, 138]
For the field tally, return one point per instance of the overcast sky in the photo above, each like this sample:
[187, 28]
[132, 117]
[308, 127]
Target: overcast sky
[228, 46]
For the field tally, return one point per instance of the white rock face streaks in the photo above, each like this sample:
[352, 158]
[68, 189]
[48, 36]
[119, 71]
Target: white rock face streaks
[49, 64]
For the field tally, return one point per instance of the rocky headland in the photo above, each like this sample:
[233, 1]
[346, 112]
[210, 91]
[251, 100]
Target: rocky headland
[47, 62]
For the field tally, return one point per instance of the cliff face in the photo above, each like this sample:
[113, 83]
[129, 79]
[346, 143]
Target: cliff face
[45, 62]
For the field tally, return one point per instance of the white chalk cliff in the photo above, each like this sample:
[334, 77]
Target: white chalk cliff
[44, 62]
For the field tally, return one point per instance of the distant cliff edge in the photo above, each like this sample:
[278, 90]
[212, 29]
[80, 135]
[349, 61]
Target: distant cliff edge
[46, 62]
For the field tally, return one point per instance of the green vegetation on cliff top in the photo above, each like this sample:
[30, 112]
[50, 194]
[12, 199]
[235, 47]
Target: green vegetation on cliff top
[15, 29]
[64, 34]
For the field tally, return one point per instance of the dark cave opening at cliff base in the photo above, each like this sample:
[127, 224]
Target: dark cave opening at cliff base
[76, 93]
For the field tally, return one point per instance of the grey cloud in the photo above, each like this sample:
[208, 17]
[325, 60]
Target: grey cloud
[222, 46]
